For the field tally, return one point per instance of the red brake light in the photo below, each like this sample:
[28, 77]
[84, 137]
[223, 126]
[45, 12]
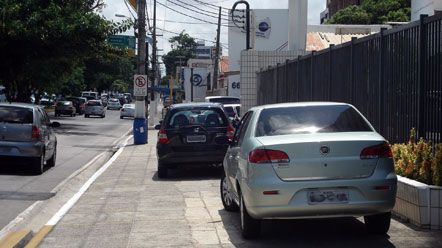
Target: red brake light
[378, 151]
[230, 132]
[162, 137]
[36, 134]
[263, 156]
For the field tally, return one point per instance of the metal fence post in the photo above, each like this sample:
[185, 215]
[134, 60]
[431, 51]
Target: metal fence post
[381, 82]
[312, 81]
[421, 70]
[352, 67]
[330, 60]
[297, 78]
[286, 80]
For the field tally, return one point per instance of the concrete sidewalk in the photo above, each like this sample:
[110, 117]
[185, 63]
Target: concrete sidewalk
[128, 206]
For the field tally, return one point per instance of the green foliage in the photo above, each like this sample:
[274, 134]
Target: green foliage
[45, 44]
[374, 12]
[182, 45]
[417, 161]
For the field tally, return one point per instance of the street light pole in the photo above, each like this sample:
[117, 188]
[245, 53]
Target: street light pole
[140, 125]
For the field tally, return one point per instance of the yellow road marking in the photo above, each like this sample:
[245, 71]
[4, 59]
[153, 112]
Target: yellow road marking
[35, 241]
[15, 239]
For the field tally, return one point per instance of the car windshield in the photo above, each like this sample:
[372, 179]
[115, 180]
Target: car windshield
[310, 119]
[197, 116]
[225, 100]
[93, 103]
[16, 114]
[229, 110]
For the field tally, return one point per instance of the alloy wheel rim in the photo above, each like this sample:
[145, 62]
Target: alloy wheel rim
[226, 194]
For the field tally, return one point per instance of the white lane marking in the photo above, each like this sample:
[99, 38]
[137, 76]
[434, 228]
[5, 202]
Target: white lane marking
[69, 204]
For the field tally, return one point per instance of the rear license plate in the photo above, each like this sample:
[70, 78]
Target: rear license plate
[196, 138]
[327, 196]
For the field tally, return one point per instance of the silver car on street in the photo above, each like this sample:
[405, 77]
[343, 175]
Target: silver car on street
[128, 110]
[26, 136]
[308, 160]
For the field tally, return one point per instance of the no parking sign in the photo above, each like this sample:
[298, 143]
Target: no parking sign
[140, 85]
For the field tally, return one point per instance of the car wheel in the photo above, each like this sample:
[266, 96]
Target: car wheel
[162, 170]
[38, 165]
[121, 117]
[51, 161]
[226, 198]
[378, 224]
[86, 116]
[250, 227]
[102, 116]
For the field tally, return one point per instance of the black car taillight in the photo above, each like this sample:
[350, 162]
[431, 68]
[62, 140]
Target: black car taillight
[162, 137]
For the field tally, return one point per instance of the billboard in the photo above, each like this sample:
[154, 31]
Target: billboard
[198, 83]
[270, 28]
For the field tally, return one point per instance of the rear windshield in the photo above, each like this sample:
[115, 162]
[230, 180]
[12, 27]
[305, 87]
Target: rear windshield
[93, 103]
[225, 100]
[16, 115]
[129, 106]
[310, 119]
[198, 116]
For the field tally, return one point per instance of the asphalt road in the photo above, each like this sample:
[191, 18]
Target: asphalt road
[79, 141]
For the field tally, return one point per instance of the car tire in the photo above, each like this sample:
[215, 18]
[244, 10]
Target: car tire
[121, 117]
[250, 227]
[38, 165]
[162, 170]
[52, 160]
[86, 116]
[102, 116]
[228, 203]
[378, 224]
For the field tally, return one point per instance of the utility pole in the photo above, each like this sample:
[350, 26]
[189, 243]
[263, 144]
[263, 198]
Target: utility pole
[154, 78]
[140, 125]
[216, 64]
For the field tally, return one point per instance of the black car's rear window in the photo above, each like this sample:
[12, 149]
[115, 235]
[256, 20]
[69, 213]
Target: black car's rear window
[197, 116]
[225, 100]
[310, 119]
[93, 103]
[16, 115]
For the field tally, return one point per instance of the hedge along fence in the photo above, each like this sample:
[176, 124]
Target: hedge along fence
[420, 161]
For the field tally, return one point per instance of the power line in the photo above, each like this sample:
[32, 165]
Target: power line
[196, 18]
[196, 7]
[195, 11]
[211, 5]
[173, 32]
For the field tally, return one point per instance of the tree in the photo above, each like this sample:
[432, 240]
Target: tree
[44, 43]
[182, 45]
[374, 12]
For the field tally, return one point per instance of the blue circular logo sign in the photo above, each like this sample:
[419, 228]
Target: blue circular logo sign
[263, 26]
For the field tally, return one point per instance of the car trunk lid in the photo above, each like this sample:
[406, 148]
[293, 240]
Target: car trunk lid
[323, 156]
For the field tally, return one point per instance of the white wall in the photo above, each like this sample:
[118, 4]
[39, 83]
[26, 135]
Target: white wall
[270, 40]
[199, 91]
[427, 7]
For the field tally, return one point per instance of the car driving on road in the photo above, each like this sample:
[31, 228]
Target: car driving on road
[65, 108]
[192, 133]
[94, 107]
[308, 160]
[128, 110]
[113, 103]
[26, 136]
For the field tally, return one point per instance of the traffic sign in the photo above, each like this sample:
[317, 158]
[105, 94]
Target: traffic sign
[125, 41]
[140, 85]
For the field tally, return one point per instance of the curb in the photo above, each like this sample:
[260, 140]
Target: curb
[16, 239]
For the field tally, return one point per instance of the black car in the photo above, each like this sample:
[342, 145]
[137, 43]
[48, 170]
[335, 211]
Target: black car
[192, 133]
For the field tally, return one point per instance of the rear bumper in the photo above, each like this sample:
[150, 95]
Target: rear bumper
[167, 156]
[123, 114]
[19, 151]
[94, 112]
[65, 111]
[292, 200]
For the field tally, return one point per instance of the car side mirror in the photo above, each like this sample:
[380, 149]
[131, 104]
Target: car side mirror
[158, 127]
[55, 124]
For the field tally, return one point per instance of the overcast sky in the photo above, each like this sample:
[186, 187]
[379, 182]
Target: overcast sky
[199, 31]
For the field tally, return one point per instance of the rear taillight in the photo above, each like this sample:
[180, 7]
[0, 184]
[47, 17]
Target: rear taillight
[162, 137]
[230, 132]
[264, 156]
[36, 134]
[378, 151]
